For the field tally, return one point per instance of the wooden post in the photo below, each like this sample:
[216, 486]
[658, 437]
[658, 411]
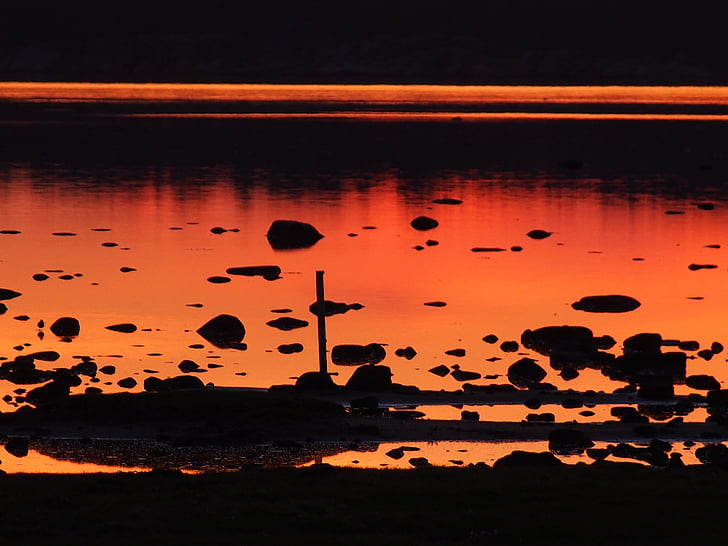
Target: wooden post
[321, 315]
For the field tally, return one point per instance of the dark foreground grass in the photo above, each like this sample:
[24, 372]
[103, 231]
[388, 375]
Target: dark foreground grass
[587, 505]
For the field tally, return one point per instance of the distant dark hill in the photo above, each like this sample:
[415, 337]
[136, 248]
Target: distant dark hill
[483, 41]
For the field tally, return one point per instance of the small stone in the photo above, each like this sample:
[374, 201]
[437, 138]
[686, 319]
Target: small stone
[539, 234]
[290, 348]
[424, 223]
[126, 328]
[218, 279]
[127, 383]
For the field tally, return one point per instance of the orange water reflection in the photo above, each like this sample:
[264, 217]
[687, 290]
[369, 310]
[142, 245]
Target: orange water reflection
[591, 252]
[370, 94]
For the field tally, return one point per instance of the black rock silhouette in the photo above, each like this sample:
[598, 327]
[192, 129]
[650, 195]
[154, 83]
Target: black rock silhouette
[268, 272]
[314, 382]
[287, 323]
[7, 294]
[291, 234]
[334, 307]
[520, 458]
[702, 382]
[17, 447]
[606, 304]
[223, 331]
[539, 234]
[424, 223]
[290, 348]
[356, 355]
[66, 327]
[370, 378]
[407, 352]
[188, 366]
[525, 373]
[125, 328]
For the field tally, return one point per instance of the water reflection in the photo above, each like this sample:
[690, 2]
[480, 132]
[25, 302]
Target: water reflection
[139, 221]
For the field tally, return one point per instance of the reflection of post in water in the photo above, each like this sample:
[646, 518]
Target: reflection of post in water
[321, 315]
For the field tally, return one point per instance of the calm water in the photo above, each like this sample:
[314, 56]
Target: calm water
[630, 204]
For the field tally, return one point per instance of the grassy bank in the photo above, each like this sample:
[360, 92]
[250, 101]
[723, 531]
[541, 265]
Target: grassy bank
[605, 505]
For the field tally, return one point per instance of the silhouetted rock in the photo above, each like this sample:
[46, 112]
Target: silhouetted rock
[702, 382]
[551, 339]
[440, 371]
[287, 323]
[408, 353]
[218, 279]
[46, 356]
[356, 355]
[547, 417]
[17, 447]
[455, 352]
[466, 415]
[127, 383]
[334, 308]
[183, 382]
[447, 201]
[50, 392]
[7, 294]
[509, 346]
[370, 378]
[490, 338]
[268, 272]
[419, 462]
[188, 366]
[291, 234]
[462, 375]
[66, 327]
[527, 459]
[154, 384]
[644, 343]
[606, 304]
[568, 442]
[290, 348]
[126, 328]
[395, 453]
[525, 373]
[424, 223]
[696, 267]
[716, 454]
[223, 331]
[539, 234]
[22, 371]
[315, 382]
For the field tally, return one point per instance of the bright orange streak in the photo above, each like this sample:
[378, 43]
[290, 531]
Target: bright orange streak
[372, 94]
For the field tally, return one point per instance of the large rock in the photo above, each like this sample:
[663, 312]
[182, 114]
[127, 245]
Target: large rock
[525, 373]
[223, 331]
[606, 304]
[268, 272]
[370, 378]
[66, 327]
[702, 382]
[356, 355]
[644, 343]
[527, 459]
[315, 382]
[559, 338]
[290, 234]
